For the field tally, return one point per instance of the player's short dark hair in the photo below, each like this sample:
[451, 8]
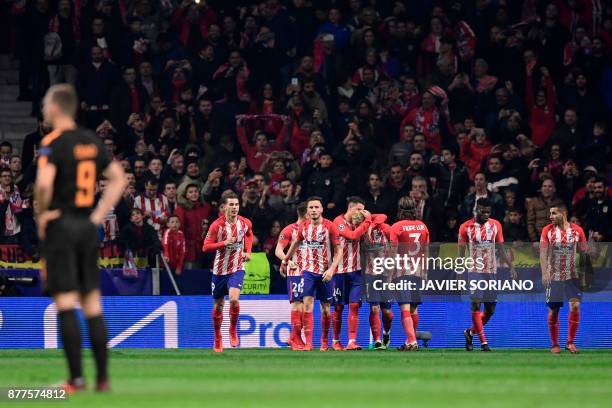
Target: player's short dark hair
[228, 195]
[302, 209]
[355, 200]
[483, 202]
[561, 207]
[314, 198]
[135, 210]
[5, 170]
[5, 143]
[64, 96]
[173, 216]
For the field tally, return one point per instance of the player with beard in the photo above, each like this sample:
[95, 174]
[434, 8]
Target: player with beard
[560, 275]
[323, 253]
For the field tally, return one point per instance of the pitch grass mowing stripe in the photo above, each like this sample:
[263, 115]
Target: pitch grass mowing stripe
[281, 378]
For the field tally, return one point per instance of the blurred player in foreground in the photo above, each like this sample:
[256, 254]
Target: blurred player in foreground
[411, 237]
[481, 233]
[295, 283]
[231, 236]
[560, 275]
[323, 252]
[71, 160]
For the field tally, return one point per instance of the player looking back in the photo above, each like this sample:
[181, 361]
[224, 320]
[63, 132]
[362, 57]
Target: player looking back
[411, 237]
[295, 283]
[558, 244]
[480, 234]
[71, 160]
[347, 280]
[323, 253]
[231, 236]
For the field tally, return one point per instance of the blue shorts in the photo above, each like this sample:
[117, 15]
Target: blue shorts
[347, 288]
[383, 305]
[412, 297]
[478, 294]
[377, 296]
[295, 288]
[221, 283]
[559, 291]
[315, 287]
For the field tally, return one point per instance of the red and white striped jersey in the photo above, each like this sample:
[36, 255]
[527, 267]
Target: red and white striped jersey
[411, 238]
[481, 239]
[110, 226]
[229, 259]
[157, 206]
[320, 241]
[376, 246]
[286, 237]
[350, 238]
[561, 244]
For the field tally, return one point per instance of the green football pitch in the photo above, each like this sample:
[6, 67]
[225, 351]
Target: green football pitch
[282, 378]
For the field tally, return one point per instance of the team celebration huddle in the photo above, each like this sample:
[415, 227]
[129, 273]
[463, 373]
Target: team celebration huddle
[333, 261]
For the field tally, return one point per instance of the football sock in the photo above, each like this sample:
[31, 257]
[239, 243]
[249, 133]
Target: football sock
[217, 316]
[375, 325]
[234, 313]
[572, 325]
[415, 320]
[295, 324]
[477, 327]
[553, 328]
[387, 320]
[70, 333]
[353, 322]
[98, 339]
[408, 327]
[325, 323]
[308, 323]
[337, 317]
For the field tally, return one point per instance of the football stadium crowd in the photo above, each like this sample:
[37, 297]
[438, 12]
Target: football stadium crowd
[444, 101]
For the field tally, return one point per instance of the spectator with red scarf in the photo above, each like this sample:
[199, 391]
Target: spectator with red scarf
[430, 120]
